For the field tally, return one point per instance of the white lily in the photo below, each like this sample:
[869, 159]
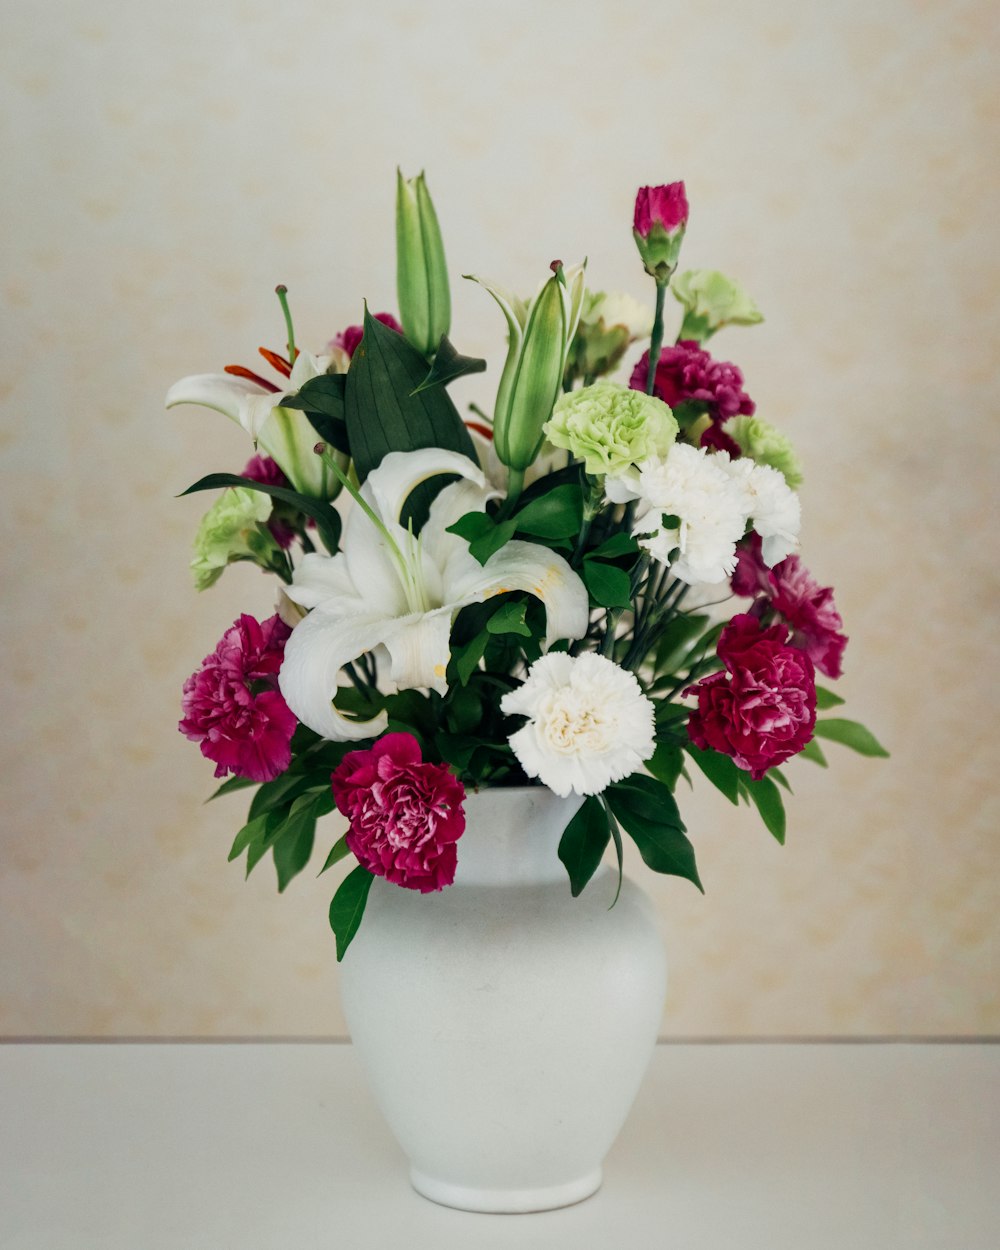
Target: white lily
[390, 588]
[284, 434]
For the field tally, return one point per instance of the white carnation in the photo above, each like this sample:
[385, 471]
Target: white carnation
[709, 507]
[589, 723]
[769, 503]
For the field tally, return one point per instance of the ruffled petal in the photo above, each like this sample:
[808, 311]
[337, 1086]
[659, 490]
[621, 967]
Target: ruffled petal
[222, 392]
[318, 649]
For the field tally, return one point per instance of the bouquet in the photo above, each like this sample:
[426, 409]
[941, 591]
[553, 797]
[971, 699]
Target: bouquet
[529, 595]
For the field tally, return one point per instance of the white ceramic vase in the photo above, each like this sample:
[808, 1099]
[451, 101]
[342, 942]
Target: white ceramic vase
[505, 1027]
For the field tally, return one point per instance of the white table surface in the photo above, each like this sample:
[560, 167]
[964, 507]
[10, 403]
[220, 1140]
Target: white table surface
[277, 1146]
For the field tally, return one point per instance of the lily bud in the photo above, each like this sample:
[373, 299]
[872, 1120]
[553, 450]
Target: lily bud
[531, 382]
[421, 271]
[661, 215]
[711, 301]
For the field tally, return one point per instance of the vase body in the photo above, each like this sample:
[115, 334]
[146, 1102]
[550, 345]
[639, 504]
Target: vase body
[504, 1026]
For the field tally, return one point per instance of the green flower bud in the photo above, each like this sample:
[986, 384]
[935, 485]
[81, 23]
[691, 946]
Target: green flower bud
[536, 360]
[421, 271]
[608, 324]
[763, 443]
[232, 529]
[711, 301]
[611, 427]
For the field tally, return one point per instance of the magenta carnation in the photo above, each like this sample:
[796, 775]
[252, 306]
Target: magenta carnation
[267, 471]
[664, 206]
[687, 374]
[348, 340]
[232, 705]
[761, 709]
[802, 603]
[406, 815]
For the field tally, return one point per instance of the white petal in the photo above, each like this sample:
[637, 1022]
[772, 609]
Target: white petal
[371, 567]
[318, 649]
[401, 472]
[419, 650]
[321, 579]
[287, 436]
[255, 410]
[306, 367]
[451, 504]
[222, 392]
[542, 573]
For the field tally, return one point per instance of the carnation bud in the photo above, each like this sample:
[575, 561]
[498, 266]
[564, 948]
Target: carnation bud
[421, 271]
[661, 215]
[608, 325]
[711, 301]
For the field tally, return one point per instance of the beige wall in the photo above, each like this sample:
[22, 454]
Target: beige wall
[165, 166]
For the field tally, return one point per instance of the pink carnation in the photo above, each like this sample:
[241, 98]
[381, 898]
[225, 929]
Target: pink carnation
[664, 206]
[762, 709]
[267, 471]
[406, 815]
[805, 606]
[232, 705]
[688, 374]
[348, 340]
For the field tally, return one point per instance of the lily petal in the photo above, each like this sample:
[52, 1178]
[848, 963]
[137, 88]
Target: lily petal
[390, 485]
[318, 649]
[320, 578]
[419, 649]
[222, 392]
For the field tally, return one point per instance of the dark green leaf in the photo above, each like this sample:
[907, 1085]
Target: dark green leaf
[583, 843]
[384, 415]
[777, 775]
[647, 812]
[466, 656]
[676, 640]
[851, 734]
[293, 849]
[766, 797]
[813, 751]
[482, 533]
[509, 619]
[230, 787]
[826, 698]
[616, 545]
[322, 400]
[327, 518]
[282, 790]
[449, 365]
[558, 514]
[719, 769]
[616, 835]
[665, 763]
[609, 587]
[348, 906]
[252, 831]
[339, 850]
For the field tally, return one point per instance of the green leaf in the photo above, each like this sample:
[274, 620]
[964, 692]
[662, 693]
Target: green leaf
[482, 533]
[322, 400]
[813, 751]
[615, 546]
[850, 733]
[827, 699]
[509, 619]
[282, 790]
[647, 812]
[676, 640]
[338, 851]
[766, 797]
[293, 849]
[384, 415]
[327, 518]
[348, 906]
[777, 775]
[583, 843]
[609, 587]
[230, 787]
[665, 763]
[449, 365]
[558, 514]
[719, 769]
[616, 835]
[252, 831]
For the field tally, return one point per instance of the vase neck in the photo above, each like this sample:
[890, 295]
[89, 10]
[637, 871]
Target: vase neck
[512, 836]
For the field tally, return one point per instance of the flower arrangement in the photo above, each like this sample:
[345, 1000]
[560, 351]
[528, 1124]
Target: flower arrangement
[528, 597]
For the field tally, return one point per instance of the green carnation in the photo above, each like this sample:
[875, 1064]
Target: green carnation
[711, 301]
[763, 443]
[610, 427]
[231, 530]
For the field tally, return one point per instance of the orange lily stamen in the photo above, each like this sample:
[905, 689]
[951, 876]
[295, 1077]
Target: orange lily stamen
[238, 371]
[276, 361]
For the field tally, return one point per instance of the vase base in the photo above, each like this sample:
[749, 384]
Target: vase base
[506, 1201]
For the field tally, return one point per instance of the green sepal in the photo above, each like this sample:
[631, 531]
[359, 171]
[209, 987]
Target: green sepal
[648, 813]
[448, 365]
[584, 842]
[348, 906]
[327, 518]
[850, 733]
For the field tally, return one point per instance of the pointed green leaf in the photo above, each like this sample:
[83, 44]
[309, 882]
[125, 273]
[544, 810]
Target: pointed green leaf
[327, 518]
[826, 698]
[252, 831]
[766, 797]
[851, 734]
[557, 514]
[665, 763]
[583, 843]
[719, 769]
[616, 835]
[509, 619]
[812, 751]
[609, 587]
[322, 400]
[615, 546]
[348, 906]
[293, 849]
[648, 813]
[338, 851]
[230, 787]
[449, 365]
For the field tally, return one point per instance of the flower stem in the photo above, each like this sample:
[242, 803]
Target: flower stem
[656, 339]
[282, 294]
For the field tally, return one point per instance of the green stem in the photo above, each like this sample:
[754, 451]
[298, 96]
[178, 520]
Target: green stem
[515, 484]
[656, 339]
[282, 294]
[591, 508]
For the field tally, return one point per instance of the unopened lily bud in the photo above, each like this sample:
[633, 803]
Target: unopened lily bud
[711, 301]
[533, 373]
[661, 215]
[421, 271]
